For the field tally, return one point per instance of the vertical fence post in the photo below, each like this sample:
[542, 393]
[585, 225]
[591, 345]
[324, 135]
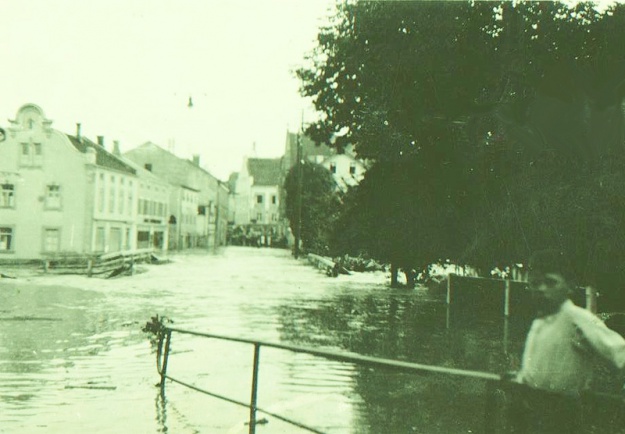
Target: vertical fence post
[165, 360]
[506, 302]
[591, 299]
[448, 301]
[254, 389]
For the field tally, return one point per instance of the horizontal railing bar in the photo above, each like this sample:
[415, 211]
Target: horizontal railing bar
[243, 404]
[206, 392]
[355, 358]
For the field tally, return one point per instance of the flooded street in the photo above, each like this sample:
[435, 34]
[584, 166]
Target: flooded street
[73, 358]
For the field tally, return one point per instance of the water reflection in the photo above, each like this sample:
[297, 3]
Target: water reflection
[413, 327]
[68, 356]
[161, 412]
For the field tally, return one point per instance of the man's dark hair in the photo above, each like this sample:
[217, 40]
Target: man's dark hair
[552, 261]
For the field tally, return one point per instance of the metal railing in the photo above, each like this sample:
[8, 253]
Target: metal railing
[163, 353]
[496, 386]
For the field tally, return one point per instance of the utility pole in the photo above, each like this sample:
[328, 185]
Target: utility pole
[298, 203]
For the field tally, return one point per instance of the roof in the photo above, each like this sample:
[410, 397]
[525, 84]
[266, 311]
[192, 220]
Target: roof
[171, 156]
[103, 157]
[265, 171]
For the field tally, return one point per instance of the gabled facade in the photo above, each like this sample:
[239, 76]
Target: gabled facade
[197, 207]
[256, 196]
[61, 194]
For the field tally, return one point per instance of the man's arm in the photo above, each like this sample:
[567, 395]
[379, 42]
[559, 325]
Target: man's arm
[605, 341]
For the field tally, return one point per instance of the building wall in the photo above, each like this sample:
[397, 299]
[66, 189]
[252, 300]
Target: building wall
[184, 173]
[152, 214]
[346, 170]
[265, 204]
[242, 199]
[114, 211]
[49, 181]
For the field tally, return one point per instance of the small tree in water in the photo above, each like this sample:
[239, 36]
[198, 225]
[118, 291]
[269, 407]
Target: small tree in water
[320, 205]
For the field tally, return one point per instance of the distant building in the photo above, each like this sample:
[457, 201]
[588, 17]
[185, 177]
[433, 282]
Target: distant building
[152, 214]
[346, 169]
[62, 194]
[197, 203]
[256, 199]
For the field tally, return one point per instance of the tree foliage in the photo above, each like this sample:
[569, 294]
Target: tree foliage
[496, 128]
[320, 203]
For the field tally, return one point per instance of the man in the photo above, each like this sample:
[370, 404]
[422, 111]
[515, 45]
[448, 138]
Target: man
[563, 351]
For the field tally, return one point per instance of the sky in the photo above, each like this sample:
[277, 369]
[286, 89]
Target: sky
[125, 70]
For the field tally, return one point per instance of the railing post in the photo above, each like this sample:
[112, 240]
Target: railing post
[254, 389]
[506, 302]
[165, 359]
[591, 299]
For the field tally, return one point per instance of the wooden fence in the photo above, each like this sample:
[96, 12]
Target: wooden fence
[503, 297]
[108, 263]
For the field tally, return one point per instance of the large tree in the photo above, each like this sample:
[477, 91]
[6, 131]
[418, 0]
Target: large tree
[505, 116]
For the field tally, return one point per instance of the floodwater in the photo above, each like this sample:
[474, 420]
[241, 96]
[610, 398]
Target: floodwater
[73, 358]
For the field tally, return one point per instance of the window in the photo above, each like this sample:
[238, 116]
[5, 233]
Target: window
[51, 240]
[7, 196]
[6, 239]
[143, 239]
[30, 154]
[274, 199]
[112, 196]
[259, 198]
[101, 193]
[333, 168]
[115, 240]
[259, 217]
[53, 196]
[274, 217]
[121, 201]
[130, 198]
[352, 169]
[99, 239]
[148, 166]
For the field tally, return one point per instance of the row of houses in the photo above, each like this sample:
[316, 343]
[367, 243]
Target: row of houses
[65, 194]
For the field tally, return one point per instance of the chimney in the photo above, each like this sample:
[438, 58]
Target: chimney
[78, 136]
[101, 141]
[116, 150]
[196, 160]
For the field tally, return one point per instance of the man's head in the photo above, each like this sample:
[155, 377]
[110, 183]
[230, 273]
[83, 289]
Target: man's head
[550, 279]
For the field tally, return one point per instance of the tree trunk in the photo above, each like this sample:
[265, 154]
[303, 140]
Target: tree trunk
[394, 271]
[410, 278]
